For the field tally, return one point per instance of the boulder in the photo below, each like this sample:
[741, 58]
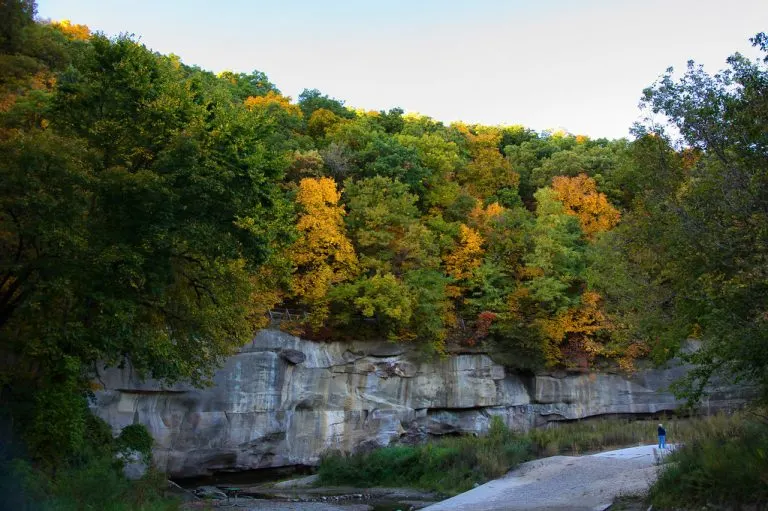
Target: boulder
[292, 356]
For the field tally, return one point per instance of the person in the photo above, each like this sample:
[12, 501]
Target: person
[662, 437]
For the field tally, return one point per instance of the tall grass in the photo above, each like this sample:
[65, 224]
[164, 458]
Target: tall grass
[453, 465]
[725, 465]
[449, 466]
[579, 437]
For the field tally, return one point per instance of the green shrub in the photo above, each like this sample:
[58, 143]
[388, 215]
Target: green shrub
[100, 485]
[85, 474]
[21, 487]
[58, 426]
[450, 465]
[728, 468]
[94, 484]
[135, 438]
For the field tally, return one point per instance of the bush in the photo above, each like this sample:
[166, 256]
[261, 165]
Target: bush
[453, 465]
[58, 427]
[100, 485]
[96, 484]
[729, 468]
[21, 487]
[135, 438]
[73, 470]
[450, 465]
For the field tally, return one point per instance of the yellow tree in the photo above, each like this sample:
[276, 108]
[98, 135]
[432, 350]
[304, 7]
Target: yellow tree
[488, 170]
[273, 100]
[571, 336]
[482, 219]
[73, 31]
[581, 199]
[467, 255]
[321, 122]
[322, 255]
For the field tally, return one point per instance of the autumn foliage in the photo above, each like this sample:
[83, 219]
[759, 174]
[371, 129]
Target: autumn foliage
[466, 256]
[581, 199]
[153, 213]
[391, 225]
[323, 255]
[572, 335]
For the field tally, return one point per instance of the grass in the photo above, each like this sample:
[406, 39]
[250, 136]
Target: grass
[575, 438]
[725, 467]
[449, 466]
[455, 464]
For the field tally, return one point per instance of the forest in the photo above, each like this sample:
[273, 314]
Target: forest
[155, 212]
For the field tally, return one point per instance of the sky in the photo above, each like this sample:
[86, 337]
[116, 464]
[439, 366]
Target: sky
[545, 64]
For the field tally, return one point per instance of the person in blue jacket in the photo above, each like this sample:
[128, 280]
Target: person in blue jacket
[662, 437]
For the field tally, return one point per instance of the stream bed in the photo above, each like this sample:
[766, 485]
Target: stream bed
[275, 491]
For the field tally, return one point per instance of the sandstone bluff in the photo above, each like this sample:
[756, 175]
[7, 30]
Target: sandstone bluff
[284, 401]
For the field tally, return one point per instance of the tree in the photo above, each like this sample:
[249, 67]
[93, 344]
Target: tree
[433, 313]
[153, 194]
[274, 101]
[73, 31]
[312, 99]
[712, 228]
[322, 255]
[556, 263]
[462, 261]
[442, 158]
[581, 199]
[133, 218]
[245, 85]
[382, 298]
[383, 222]
[383, 155]
[321, 121]
[571, 336]
[488, 170]
[391, 121]
[15, 17]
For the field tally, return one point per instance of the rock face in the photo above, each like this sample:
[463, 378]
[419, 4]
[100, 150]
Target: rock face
[284, 401]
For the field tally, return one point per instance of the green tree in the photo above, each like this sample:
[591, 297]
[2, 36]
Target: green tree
[556, 262]
[712, 229]
[15, 17]
[131, 223]
[245, 85]
[384, 224]
[381, 298]
[312, 99]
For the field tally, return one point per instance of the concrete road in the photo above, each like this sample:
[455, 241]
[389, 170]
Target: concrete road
[563, 483]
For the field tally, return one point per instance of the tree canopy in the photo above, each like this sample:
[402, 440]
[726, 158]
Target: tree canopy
[151, 213]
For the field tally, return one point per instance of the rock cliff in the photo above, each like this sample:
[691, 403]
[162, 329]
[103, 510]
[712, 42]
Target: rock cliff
[284, 401]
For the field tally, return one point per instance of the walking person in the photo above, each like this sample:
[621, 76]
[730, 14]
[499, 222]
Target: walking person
[662, 437]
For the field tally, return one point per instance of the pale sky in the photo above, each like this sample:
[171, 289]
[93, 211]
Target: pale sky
[543, 64]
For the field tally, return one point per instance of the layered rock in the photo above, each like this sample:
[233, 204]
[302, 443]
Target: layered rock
[284, 401]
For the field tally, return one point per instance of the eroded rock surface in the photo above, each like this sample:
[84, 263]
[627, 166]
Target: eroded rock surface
[284, 401]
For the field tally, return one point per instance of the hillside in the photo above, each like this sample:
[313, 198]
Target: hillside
[154, 212]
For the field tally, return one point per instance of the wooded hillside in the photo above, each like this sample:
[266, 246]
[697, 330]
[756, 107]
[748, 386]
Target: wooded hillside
[155, 212]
